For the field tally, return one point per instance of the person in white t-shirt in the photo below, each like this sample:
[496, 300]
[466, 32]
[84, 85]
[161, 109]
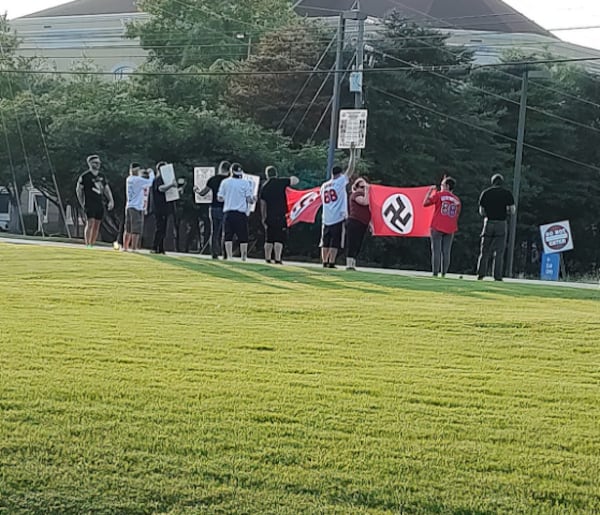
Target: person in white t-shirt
[335, 211]
[135, 187]
[237, 195]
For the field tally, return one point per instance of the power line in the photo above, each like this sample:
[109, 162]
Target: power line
[500, 97]
[483, 129]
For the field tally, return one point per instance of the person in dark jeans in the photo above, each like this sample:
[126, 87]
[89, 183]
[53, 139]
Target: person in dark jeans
[359, 218]
[216, 209]
[162, 210]
[495, 204]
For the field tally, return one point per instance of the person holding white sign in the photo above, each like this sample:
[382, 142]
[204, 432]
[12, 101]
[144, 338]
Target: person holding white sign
[216, 208]
[273, 208]
[162, 209]
[237, 196]
[335, 211]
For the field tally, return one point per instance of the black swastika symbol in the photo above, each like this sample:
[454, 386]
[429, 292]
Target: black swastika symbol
[393, 214]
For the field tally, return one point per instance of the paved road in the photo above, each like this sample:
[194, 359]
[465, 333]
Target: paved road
[407, 273]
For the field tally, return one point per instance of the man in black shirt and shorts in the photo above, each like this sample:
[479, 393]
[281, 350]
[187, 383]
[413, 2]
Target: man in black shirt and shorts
[216, 209]
[92, 186]
[495, 204]
[273, 207]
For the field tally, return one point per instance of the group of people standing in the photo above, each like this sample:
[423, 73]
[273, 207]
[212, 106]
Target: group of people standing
[345, 220]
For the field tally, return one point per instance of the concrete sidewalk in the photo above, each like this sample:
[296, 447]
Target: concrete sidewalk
[406, 273]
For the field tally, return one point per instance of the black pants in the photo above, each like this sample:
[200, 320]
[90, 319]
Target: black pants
[216, 234]
[162, 219]
[493, 244]
[355, 235]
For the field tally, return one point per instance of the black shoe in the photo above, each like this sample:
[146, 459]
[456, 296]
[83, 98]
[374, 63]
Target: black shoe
[279, 262]
[325, 265]
[480, 277]
[499, 280]
[331, 265]
[268, 261]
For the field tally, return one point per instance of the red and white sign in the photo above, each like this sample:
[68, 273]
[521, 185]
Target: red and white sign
[303, 205]
[399, 212]
[557, 237]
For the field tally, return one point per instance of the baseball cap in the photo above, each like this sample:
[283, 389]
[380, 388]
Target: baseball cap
[497, 178]
[236, 169]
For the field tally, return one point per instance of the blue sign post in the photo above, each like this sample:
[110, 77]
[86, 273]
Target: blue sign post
[550, 267]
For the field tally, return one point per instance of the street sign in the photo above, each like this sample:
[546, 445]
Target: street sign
[557, 237]
[550, 267]
[353, 128]
[356, 82]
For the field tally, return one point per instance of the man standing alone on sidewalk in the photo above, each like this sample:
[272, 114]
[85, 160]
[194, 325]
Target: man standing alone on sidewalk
[495, 204]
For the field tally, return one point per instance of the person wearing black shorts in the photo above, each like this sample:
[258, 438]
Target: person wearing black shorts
[92, 187]
[237, 196]
[273, 207]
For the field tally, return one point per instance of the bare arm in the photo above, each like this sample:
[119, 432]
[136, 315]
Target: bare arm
[79, 192]
[511, 210]
[294, 180]
[351, 164]
[263, 211]
[428, 202]
[167, 187]
[202, 192]
[109, 196]
[482, 211]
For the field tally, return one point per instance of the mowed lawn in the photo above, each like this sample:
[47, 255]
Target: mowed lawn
[132, 384]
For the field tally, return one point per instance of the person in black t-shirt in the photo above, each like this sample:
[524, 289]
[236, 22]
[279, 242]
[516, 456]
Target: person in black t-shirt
[495, 204]
[92, 187]
[216, 209]
[162, 209]
[273, 207]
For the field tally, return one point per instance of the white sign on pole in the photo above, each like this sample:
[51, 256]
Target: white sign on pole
[201, 176]
[353, 128]
[557, 237]
[255, 180]
[168, 175]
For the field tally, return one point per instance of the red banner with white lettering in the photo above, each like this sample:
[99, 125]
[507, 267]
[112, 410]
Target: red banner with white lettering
[303, 205]
[399, 212]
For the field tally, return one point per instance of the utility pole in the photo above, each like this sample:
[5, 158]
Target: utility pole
[360, 59]
[518, 167]
[360, 17]
[335, 104]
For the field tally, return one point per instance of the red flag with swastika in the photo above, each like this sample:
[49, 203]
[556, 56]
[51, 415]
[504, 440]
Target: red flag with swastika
[303, 205]
[399, 212]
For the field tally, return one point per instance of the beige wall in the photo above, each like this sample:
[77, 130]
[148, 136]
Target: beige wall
[64, 41]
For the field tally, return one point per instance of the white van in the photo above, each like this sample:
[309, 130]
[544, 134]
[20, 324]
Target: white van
[4, 209]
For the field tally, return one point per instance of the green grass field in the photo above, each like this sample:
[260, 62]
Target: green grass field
[139, 385]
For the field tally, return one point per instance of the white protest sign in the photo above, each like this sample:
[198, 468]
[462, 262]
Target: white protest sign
[168, 175]
[201, 176]
[352, 128]
[255, 180]
[557, 237]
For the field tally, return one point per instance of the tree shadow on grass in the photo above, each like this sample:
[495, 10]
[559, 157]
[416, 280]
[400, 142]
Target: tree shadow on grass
[369, 282]
[477, 289]
[222, 270]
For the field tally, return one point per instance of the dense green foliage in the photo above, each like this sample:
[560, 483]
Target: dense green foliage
[211, 97]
